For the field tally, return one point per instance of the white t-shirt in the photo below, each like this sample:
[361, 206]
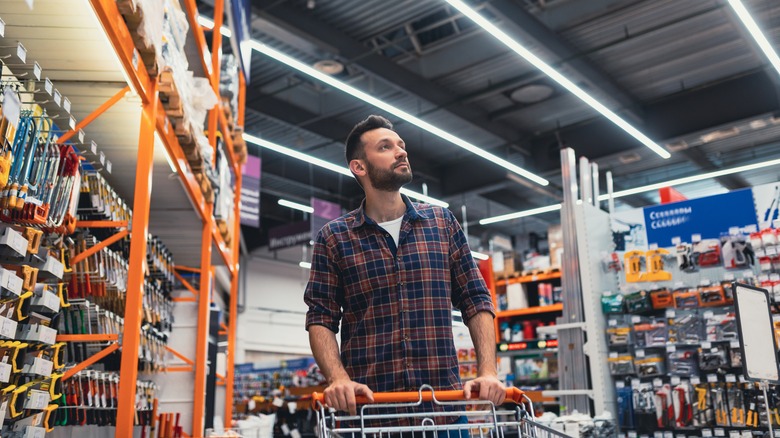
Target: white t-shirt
[393, 227]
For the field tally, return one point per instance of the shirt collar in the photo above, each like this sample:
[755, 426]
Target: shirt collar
[411, 212]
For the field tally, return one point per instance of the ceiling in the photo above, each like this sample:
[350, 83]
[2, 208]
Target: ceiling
[685, 73]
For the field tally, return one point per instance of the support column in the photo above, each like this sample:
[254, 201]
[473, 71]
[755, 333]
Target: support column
[131, 337]
[201, 349]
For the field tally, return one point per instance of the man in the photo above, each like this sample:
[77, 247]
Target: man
[389, 273]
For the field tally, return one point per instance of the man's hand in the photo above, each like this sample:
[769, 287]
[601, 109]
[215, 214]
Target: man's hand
[488, 387]
[340, 395]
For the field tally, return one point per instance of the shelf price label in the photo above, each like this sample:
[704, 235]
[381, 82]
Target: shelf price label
[37, 71]
[48, 86]
[93, 147]
[2, 28]
[72, 122]
[81, 136]
[66, 104]
[135, 59]
[21, 53]
[12, 107]
[57, 97]
[102, 158]
[29, 4]
[706, 433]
[108, 166]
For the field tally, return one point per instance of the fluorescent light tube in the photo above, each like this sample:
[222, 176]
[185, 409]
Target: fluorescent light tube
[556, 76]
[479, 255]
[756, 33]
[519, 214]
[296, 206]
[637, 190]
[365, 97]
[305, 265]
[330, 166]
[209, 23]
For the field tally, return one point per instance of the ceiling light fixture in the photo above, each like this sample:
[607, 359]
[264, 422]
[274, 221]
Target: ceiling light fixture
[479, 255]
[330, 166]
[295, 206]
[365, 97]
[756, 33]
[637, 190]
[556, 76]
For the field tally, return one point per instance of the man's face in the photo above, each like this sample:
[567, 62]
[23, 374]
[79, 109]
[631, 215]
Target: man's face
[387, 165]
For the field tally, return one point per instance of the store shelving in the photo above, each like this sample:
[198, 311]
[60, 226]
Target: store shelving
[529, 278]
[58, 27]
[535, 310]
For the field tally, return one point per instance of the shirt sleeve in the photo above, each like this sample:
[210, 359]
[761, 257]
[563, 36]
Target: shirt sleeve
[323, 292]
[469, 291]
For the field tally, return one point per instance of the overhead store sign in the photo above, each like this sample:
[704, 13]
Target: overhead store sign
[285, 236]
[240, 23]
[708, 218]
[250, 192]
[324, 212]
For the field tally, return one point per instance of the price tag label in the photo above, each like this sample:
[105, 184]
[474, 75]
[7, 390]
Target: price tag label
[66, 104]
[57, 97]
[675, 380]
[640, 353]
[695, 238]
[93, 147]
[2, 28]
[706, 345]
[712, 378]
[635, 319]
[102, 158]
[657, 383]
[21, 53]
[668, 434]
[742, 379]
[72, 123]
[632, 434]
[695, 380]
[613, 354]
[612, 323]
[706, 433]
[29, 4]
[670, 313]
[728, 276]
[292, 406]
[731, 378]
[108, 166]
[48, 86]
[278, 402]
[12, 107]
[676, 241]
[751, 228]
[620, 384]
[81, 136]
[635, 383]
[658, 434]
[135, 59]
[37, 71]
[671, 348]
[734, 434]
[771, 250]
[653, 246]
[720, 432]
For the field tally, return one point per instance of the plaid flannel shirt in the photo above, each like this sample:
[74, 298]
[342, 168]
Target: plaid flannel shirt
[394, 305]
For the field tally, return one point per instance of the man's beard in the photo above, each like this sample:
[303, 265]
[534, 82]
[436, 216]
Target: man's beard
[387, 180]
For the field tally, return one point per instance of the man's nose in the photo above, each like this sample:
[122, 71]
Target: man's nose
[400, 153]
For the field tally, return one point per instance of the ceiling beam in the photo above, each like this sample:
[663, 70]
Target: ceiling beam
[285, 15]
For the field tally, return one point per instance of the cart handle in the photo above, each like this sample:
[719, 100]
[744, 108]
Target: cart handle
[512, 394]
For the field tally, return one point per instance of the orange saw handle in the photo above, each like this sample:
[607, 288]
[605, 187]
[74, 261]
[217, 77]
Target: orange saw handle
[512, 394]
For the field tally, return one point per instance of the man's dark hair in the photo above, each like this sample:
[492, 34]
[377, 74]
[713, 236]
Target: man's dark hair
[354, 145]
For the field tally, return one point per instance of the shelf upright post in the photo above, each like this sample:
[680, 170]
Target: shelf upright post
[131, 337]
[201, 349]
[216, 60]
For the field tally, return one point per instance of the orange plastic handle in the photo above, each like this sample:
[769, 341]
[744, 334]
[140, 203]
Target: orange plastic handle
[512, 394]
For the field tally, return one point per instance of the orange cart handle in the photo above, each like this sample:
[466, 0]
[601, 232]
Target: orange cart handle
[512, 394]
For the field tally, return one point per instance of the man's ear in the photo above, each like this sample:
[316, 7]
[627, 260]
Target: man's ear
[357, 167]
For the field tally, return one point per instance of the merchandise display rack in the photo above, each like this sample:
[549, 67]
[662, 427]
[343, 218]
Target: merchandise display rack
[155, 122]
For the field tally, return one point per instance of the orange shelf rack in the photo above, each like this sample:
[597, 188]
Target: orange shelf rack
[154, 120]
[529, 278]
[558, 307]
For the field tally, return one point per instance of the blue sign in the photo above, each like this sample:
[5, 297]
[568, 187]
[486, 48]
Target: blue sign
[709, 217]
[239, 14]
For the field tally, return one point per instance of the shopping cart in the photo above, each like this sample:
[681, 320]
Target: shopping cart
[484, 418]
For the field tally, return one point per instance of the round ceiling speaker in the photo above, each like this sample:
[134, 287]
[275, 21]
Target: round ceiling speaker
[531, 93]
